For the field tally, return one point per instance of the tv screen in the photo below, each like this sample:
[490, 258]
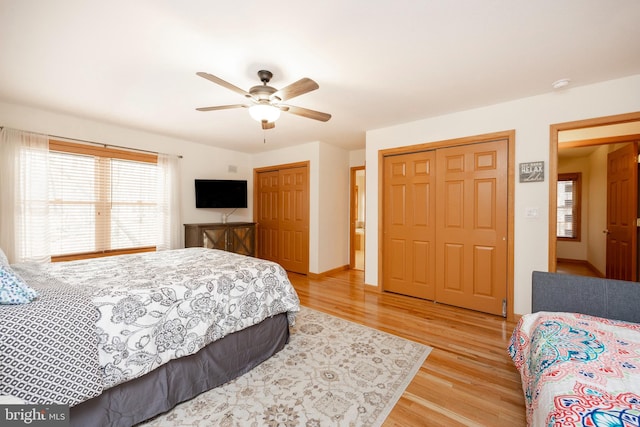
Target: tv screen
[221, 193]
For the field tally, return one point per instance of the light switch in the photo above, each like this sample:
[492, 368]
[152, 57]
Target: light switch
[531, 213]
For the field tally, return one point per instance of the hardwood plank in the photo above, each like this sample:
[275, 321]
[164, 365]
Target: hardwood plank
[467, 380]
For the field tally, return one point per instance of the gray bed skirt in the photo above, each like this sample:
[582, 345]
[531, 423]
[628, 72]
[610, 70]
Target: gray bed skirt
[182, 379]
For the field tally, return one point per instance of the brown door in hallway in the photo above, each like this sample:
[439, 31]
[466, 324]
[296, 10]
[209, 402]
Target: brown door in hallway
[282, 214]
[471, 224]
[409, 224]
[622, 199]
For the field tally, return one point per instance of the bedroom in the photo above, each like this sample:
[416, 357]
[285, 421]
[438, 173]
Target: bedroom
[612, 92]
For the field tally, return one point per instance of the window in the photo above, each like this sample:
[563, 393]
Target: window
[101, 201]
[569, 210]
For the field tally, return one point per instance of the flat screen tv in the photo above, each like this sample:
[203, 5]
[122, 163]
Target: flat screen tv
[221, 193]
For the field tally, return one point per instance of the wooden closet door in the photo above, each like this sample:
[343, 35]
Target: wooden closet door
[282, 214]
[293, 221]
[409, 224]
[471, 223]
[268, 217]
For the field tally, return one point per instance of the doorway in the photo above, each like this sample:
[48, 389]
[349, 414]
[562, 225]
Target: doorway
[357, 223]
[570, 144]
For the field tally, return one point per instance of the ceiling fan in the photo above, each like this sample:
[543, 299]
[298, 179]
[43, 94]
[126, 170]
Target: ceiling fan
[266, 101]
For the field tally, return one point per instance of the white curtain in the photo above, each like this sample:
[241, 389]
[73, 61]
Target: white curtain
[169, 218]
[24, 208]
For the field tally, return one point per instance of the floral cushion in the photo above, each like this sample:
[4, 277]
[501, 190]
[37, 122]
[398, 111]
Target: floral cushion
[13, 290]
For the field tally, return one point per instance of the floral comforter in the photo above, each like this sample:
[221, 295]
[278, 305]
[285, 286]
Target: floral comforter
[158, 306]
[578, 370]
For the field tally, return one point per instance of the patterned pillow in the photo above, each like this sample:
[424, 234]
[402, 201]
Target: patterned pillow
[3, 259]
[13, 290]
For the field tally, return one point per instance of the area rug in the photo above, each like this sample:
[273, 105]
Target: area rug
[331, 373]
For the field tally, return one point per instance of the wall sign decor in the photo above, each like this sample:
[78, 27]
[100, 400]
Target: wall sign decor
[532, 172]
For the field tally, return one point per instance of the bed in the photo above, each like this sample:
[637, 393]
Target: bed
[578, 352]
[122, 339]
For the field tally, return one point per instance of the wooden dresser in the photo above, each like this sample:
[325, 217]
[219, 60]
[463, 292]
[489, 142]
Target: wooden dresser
[238, 237]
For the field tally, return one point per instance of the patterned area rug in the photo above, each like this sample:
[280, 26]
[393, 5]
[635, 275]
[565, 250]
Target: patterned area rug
[332, 373]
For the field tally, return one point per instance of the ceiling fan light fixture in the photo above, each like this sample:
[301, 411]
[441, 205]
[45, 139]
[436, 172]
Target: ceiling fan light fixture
[264, 113]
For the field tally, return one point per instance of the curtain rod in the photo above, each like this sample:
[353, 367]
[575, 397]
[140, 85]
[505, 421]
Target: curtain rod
[100, 143]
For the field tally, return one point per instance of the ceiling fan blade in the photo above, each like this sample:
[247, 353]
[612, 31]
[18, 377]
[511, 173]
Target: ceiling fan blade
[223, 83]
[268, 125]
[310, 114]
[298, 88]
[222, 107]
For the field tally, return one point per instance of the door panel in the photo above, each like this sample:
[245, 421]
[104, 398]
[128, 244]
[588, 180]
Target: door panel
[215, 238]
[453, 261]
[408, 261]
[241, 239]
[622, 192]
[471, 226]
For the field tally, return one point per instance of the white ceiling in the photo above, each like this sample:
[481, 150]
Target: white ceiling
[378, 62]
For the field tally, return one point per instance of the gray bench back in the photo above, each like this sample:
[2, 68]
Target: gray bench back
[613, 299]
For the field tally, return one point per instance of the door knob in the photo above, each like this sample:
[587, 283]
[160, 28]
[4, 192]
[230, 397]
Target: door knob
[606, 231]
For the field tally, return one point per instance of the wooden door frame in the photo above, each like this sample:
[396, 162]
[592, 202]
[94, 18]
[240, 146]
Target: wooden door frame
[353, 215]
[510, 136]
[553, 168]
[256, 171]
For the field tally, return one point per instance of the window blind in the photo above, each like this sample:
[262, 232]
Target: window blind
[568, 206]
[101, 200]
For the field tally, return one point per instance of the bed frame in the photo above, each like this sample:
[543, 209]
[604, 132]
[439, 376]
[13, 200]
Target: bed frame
[612, 299]
[181, 379]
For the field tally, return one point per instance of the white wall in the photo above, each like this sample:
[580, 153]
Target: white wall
[333, 206]
[597, 248]
[356, 158]
[531, 118]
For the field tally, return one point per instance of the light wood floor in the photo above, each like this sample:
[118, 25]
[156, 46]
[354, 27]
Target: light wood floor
[467, 380]
[577, 268]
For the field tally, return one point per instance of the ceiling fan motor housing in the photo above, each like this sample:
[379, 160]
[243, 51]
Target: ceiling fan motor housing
[262, 92]
[265, 76]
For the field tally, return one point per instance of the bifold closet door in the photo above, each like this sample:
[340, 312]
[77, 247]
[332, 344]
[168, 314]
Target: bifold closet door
[445, 225]
[283, 217]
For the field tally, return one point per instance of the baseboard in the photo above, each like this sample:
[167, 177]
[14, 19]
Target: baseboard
[316, 276]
